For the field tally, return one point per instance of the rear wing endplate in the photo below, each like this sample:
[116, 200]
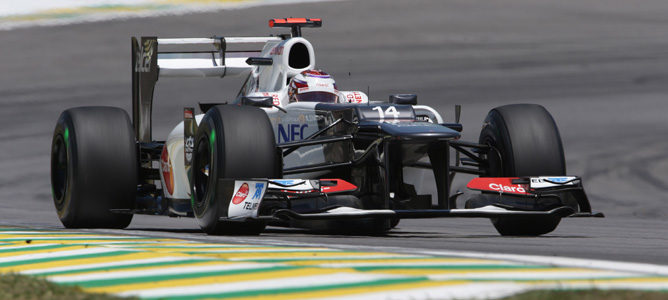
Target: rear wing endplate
[178, 59]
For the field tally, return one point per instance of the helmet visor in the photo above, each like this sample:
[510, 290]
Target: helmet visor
[317, 97]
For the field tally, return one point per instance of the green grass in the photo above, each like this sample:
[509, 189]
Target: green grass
[19, 287]
[589, 295]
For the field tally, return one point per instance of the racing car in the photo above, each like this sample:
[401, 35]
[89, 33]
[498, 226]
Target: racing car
[293, 150]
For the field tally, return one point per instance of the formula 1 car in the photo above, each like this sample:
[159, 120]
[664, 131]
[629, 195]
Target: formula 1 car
[293, 150]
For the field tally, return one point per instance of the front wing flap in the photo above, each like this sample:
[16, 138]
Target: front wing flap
[490, 211]
[538, 187]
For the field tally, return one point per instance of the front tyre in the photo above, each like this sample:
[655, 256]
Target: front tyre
[232, 142]
[93, 167]
[525, 141]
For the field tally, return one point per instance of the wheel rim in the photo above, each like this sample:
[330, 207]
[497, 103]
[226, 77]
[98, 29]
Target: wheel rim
[202, 171]
[59, 172]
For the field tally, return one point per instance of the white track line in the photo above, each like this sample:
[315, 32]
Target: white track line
[640, 268]
[534, 275]
[460, 291]
[417, 263]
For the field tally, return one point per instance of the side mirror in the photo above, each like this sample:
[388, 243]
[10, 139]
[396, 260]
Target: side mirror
[258, 101]
[204, 107]
[404, 99]
[260, 61]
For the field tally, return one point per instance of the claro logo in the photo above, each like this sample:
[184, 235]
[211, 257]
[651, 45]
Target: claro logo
[505, 188]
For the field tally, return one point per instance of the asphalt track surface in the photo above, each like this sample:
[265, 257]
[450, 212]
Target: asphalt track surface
[600, 67]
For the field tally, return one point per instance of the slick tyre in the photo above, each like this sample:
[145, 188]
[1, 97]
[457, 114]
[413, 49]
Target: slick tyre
[232, 142]
[525, 141]
[93, 167]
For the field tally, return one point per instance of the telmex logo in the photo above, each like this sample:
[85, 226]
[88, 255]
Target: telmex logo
[505, 188]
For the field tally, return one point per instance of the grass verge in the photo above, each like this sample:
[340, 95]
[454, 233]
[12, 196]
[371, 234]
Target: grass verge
[21, 287]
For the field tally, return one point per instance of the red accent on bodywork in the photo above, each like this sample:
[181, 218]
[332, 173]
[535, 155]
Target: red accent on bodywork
[272, 22]
[499, 185]
[336, 186]
[241, 194]
[167, 173]
[188, 114]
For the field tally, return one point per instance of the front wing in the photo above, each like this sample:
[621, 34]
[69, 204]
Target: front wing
[247, 195]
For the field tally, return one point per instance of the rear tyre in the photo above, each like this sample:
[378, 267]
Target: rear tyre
[232, 142]
[525, 142]
[93, 167]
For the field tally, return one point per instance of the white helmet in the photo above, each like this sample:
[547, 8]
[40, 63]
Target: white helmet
[313, 86]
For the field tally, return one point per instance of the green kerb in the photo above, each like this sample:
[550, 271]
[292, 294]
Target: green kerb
[270, 292]
[42, 260]
[158, 278]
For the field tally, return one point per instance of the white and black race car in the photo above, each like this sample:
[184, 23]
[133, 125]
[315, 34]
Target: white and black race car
[293, 150]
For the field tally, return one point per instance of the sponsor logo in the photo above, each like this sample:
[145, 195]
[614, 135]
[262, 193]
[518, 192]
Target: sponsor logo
[276, 50]
[286, 181]
[241, 194]
[188, 114]
[251, 205]
[550, 179]
[189, 145]
[558, 179]
[167, 172]
[505, 188]
[423, 118]
[274, 98]
[258, 191]
[143, 57]
[291, 132]
[354, 97]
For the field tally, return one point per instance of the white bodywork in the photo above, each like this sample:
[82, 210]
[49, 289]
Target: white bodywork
[172, 166]
[262, 81]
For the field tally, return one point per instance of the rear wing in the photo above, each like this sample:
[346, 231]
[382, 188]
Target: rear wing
[184, 57]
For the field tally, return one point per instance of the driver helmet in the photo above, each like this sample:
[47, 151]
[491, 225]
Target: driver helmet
[313, 86]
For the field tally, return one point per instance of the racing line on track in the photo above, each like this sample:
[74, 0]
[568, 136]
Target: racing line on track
[182, 269]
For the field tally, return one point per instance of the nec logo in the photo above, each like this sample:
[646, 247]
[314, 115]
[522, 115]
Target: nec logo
[505, 188]
[291, 132]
